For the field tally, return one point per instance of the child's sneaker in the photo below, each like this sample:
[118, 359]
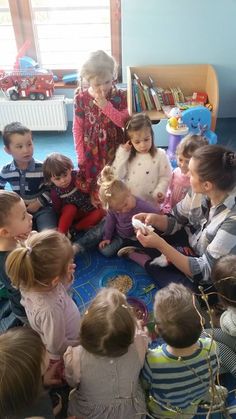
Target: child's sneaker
[125, 251]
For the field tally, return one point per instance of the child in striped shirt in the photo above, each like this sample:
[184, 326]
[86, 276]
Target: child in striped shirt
[178, 374]
[25, 175]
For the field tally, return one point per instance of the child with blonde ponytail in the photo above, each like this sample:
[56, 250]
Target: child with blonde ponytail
[117, 231]
[122, 205]
[38, 268]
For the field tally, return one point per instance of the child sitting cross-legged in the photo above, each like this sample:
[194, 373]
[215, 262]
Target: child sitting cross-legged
[117, 229]
[73, 206]
[25, 175]
[105, 367]
[178, 374]
[40, 267]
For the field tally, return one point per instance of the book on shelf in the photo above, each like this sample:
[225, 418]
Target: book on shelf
[137, 99]
[148, 97]
[140, 88]
[153, 96]
[155, 99]
[143, 96]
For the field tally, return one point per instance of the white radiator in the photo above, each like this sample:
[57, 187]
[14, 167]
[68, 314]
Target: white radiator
[38, 115]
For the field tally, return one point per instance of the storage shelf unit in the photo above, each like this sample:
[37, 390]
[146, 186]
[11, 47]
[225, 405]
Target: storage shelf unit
[190, 78]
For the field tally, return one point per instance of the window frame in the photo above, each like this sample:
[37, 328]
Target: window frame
[21, 14]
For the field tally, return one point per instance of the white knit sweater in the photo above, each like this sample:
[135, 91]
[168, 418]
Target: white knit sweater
[145, 175]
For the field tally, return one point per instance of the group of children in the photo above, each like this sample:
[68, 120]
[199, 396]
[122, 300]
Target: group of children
[104, 354]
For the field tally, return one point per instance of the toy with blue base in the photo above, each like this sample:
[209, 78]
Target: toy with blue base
[198, 120]
[176, 130]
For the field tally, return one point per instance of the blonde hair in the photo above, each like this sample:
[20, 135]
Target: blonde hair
[97, 65]
[41, 258]
[7, 202]
[21, 356]
[56, 164]
[108, 326]
[189, 144]
[176, 317]
[110, 187]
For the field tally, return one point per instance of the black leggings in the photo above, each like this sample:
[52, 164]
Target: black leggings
[164, 276]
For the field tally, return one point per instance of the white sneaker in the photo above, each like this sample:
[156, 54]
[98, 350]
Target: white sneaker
[160, 261]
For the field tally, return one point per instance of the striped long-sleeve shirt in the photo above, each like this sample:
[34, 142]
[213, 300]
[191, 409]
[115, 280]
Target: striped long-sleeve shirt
[29, 183]
[211, 230]
[178, 382]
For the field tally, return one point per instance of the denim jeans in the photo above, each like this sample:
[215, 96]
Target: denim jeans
[94, 235]
[44, 218]
[7, 318]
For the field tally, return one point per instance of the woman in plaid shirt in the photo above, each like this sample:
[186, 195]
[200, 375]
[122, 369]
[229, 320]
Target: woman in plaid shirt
[207, 215]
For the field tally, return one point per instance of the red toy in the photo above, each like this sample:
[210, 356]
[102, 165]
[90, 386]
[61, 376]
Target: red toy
[26, 79]
[18, 84]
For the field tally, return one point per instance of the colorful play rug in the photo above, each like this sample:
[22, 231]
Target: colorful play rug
[93, 270]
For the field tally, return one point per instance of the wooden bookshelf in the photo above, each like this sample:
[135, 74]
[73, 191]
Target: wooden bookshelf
[190, 78]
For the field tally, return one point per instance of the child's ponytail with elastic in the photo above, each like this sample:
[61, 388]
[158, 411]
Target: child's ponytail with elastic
[43, 257]
[110, 187]
[19, 267]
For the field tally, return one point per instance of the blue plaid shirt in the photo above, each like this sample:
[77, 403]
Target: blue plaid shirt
[28, 183]
[211, 230]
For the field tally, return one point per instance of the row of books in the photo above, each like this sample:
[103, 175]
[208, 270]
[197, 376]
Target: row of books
[149, 97]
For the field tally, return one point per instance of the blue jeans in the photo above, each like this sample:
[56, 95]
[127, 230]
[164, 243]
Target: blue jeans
[7, 318]
[94, 235]
[44, 218]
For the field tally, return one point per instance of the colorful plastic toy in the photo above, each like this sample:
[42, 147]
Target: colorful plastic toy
[176, 129]
[198, 120]
[26, 79]
[18, 84]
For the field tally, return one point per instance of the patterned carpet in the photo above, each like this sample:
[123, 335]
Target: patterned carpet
[93, 268]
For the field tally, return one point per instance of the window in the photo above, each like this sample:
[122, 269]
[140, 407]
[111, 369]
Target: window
[60, 33]
[7, 37]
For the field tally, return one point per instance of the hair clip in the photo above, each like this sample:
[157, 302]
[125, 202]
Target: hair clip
[29, 250]
[123, 305]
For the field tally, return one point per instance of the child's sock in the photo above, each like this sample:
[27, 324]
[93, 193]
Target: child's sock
[160, 261]
[139, 258]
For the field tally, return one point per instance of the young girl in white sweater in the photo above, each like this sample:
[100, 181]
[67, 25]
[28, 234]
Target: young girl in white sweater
[144, 168]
